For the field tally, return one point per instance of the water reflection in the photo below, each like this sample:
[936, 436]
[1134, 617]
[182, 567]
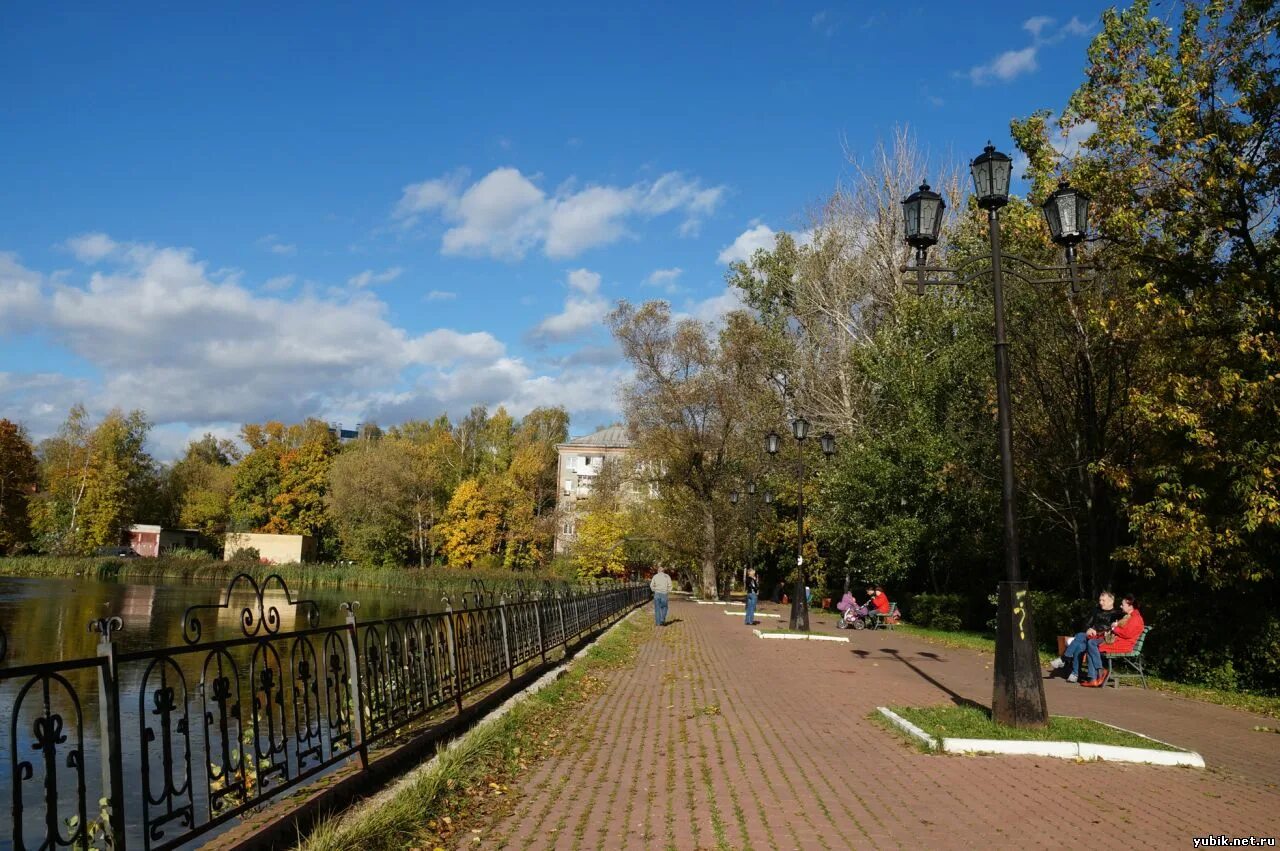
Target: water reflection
[46, 620]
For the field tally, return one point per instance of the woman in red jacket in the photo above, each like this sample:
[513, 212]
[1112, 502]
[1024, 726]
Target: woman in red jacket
[1121, 638]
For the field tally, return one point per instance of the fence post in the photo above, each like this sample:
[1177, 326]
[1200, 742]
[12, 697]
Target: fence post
[454, 656]
[353, 677]
[542, 641]
[564, 630]
[506, 642]
[109, 729]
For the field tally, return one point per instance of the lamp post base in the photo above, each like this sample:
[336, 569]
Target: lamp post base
[799, 608]
[1018, 694]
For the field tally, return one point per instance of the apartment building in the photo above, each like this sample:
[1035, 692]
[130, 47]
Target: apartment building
[580, 461]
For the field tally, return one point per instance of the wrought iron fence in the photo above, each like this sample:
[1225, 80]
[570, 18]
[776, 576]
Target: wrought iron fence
[193, 736]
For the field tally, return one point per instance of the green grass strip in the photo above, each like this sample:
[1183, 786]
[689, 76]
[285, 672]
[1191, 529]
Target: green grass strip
[972, 722]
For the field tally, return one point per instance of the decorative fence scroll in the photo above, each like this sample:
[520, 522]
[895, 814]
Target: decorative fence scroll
[219, 727]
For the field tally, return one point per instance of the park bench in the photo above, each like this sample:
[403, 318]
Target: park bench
[1133, 659]
[886, 620]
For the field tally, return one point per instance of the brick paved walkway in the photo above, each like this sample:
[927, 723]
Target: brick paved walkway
[714, 738]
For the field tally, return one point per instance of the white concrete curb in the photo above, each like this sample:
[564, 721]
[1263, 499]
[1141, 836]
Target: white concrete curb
[795, 636]
[743, 614]
[907, 727]
[1059, 750]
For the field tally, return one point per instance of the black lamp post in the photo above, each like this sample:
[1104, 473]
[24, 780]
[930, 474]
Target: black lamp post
[752, 518]
[799, 430]
[1018, 691]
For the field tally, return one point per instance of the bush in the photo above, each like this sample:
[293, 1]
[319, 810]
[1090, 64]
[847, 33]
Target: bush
[247, 555]
[936, 611]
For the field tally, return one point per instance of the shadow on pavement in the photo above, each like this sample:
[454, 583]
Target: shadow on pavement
[957, 699]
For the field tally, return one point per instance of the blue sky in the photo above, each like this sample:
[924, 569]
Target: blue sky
[384, 211]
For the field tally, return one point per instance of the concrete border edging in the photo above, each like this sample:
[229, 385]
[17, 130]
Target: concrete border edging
[907, 727]
[1058, 750]
[743, 614]
[795, 636]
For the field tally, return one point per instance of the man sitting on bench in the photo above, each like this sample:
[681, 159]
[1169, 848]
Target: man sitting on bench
[1097, 625]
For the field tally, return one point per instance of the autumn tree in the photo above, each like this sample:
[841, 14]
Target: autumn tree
[19, 475]
[93, 479]
[1183, 171]
[472, 527]
[202, 484]
[689, 408]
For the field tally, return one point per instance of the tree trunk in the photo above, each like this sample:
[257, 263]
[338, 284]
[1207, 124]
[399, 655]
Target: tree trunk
[710, 590]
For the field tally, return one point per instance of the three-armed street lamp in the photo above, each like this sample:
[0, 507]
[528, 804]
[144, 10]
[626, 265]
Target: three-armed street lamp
[800, 430]
[1018, 697]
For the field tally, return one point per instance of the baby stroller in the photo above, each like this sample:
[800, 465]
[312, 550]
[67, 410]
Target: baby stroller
[852, 616]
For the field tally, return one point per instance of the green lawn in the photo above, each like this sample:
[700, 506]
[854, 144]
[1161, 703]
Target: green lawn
[971, 722]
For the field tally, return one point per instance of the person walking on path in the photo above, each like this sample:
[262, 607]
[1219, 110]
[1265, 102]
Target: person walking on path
[660, 585]
[753, 594]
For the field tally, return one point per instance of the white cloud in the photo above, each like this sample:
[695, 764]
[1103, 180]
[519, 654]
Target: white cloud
[665, 278]
[586, 219]
[1037, 24]
[441, 295]
[584, 281]
[272, 243]
[199, 350]
[1006, 66]
[445, 346]
[21, 296]
[92, 247]
[747, 244]
[369, 277]
[1012, 64]
[712, 309]
[1077, 27]
[505, 214]
[1075, 137]
[187, 347]
[584, 310]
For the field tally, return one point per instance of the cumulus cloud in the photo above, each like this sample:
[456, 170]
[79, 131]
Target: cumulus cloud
[187, 346]
[747, 244]
[92, 247]
[196, 349]
[441, 295]
[583, 311]
[21, 296]
[505, 214]
[369, 277]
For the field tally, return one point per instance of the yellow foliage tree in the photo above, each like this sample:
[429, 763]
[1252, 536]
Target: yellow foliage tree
[473, 524]
[599, 551]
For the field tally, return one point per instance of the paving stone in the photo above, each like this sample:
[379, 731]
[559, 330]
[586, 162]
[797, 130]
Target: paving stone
[716, 739]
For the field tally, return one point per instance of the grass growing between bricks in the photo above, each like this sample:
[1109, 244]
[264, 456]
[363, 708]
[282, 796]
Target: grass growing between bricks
[466, 788]
[972, 722]
[1259, 703]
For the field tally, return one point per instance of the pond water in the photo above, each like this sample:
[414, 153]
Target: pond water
[46, 620]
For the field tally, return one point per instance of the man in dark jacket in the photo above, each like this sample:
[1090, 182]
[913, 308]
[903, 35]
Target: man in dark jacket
[1098, 624]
